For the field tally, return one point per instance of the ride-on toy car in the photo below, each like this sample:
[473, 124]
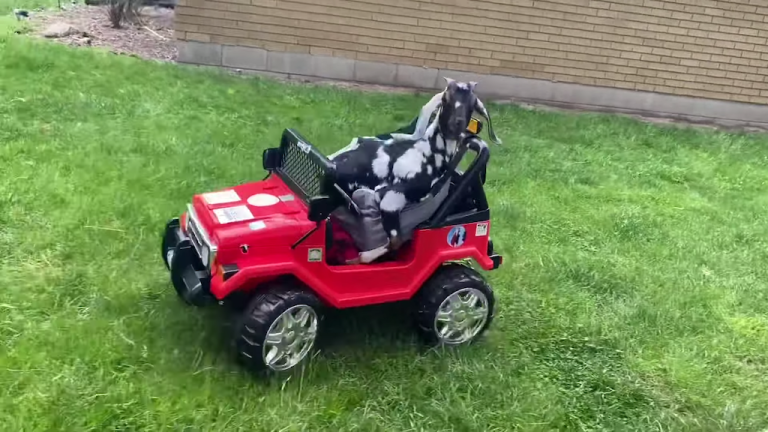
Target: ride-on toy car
[275, 245]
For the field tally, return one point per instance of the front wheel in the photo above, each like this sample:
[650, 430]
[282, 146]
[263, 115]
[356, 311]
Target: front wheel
[454, 307]
[278, 329]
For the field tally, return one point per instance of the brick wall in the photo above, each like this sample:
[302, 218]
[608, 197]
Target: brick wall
[703, 48]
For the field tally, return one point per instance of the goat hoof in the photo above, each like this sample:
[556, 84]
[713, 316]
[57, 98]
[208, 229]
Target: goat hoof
[395, 243]
[371, 255]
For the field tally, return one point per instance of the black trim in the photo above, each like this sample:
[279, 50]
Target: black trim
[496, 258]
[229, 270]
[270, 159]
[171, 237]
[193, 286]
[467, 191]
[468, 217]
[307, 172]
[320, 207]
[305, 236]
[496, 261]
[188, 275]
[328, 234]
[293, 144]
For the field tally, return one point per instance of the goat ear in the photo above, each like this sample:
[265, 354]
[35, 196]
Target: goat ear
[480, 107]
[425, 116]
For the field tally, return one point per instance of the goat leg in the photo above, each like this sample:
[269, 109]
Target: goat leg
[392, 201]
[391, 223]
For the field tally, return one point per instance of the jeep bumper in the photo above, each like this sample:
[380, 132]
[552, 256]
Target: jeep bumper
[189, 277]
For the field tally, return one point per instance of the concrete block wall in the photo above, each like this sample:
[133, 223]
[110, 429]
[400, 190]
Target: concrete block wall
[629, 54]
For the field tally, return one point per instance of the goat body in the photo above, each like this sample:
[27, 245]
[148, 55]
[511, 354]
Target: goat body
[402, 168]
[400, 171]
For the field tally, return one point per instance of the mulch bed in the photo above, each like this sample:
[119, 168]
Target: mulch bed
[152, 40]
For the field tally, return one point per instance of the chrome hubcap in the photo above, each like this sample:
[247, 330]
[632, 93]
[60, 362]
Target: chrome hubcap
[461, 316]
[290, 338]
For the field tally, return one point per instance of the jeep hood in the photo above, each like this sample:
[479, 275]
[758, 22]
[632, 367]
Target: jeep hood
[265, 211]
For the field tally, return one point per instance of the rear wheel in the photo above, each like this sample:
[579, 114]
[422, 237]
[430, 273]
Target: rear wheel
[278, 329]
[454, 307]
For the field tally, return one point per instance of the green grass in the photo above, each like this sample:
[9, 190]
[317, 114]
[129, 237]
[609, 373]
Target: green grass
[633, 294]
[7, 6]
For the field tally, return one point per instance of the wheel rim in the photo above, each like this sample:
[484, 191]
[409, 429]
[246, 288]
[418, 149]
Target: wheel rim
[461, 316]
[290, 337]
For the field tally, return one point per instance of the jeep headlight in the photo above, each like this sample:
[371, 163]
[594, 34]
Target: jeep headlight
[205, 255]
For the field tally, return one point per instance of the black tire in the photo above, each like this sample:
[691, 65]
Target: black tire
[262, 311]
[166, 249]
[170, 240]
[447, 280]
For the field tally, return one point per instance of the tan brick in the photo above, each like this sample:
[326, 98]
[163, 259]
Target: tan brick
[674, 43]
[758, 41]
[721, 43]
[739, 98]
[722, 21]
[321, 51]
[617, 61]
[701, 56]
[733, 14]
[424, 55]
[183, 26]
[719, 73]
[198, 37]
[747, 69]
[636, 78]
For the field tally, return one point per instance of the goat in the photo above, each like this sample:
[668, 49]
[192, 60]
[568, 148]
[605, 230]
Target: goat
[403, 168]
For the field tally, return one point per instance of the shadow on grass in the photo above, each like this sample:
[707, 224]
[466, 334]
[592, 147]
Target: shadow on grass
[386, 329]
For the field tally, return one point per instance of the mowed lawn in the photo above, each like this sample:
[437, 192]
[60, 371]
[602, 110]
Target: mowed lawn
[633, 294]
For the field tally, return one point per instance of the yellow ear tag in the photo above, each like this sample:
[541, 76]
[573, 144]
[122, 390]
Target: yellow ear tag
[472, 127]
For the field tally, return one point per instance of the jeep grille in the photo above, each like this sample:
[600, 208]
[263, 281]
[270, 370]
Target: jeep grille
[199, 237]
[193, 232]
[299, 167]
[306, 171]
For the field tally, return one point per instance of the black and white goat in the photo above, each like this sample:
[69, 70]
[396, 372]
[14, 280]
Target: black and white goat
[403, 169]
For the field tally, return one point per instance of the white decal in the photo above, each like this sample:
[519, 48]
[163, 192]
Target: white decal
[233, 214]
[263, 200]
[315, 255]
[304, 146]
[255, 226]
[221, 197]
[482, 229]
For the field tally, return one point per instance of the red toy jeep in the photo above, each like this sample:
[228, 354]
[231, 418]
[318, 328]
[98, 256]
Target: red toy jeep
[276, 243]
